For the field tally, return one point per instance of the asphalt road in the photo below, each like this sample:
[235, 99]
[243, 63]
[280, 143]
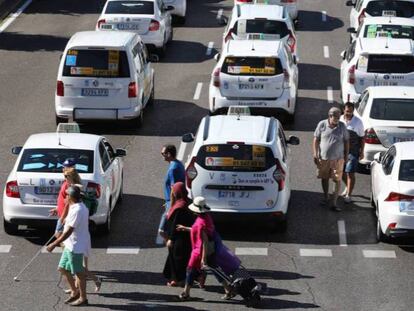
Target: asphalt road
[311, 266]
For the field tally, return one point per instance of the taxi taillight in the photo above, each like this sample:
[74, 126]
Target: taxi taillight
[12, 189]
[60, 88]
[100, 23]
[132, 90]
[154, 25]
[279, 175]
[191, 172]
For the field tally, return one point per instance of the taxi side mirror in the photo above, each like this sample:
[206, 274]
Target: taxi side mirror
[343, 54]
[222, 20]
[293, 140]
[187, 138]
[351, 30]
[349, 3]
[16, 150]
[378, 157]
[295, 60]
[120, 152]
[217, 57]
[169, 8]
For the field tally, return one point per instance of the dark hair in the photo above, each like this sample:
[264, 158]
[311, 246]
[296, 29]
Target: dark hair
[171, 150]
[349, 105]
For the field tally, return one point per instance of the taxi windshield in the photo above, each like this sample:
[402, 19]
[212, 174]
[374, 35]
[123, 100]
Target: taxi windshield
[51, 160]
[390, 31]
[130, 7]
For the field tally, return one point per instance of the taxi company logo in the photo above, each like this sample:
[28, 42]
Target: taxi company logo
[222, 176]
[226, 85]
[386, 77]
[251, 79]
[95, 83]
[128, 19]
[86, 82]
[42, 182]
[51, 182]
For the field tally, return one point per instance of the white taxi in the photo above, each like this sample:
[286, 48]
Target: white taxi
[241, 165]
[366, 8]
[388, 117]
[290, 5]
[33, 184]
[151, 19]
[258, 21]
[376, 62]
[260, 74]
[392, 185]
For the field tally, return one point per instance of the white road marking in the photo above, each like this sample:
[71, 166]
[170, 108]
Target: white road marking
[123, 250]
[256, 251]
[323, 16]
[5, 248]
[326, 51]
[198, 91]
[329, 94]
[57, 250]
[342, 233]
[12, 17]
[379, 254]
[315, 252]
[219, 13]
[209, 48]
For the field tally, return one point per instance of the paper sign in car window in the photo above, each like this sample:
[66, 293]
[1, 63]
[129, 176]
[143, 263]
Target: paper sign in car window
[248, 163]
[219, 161]
[372, 31]
[258, 153]
[113, 61]
[81, 71]
[72, 52]
[213, 148]
[362, 62]
[233, 69]
[70, 60]
[241, 26]
[390, 13]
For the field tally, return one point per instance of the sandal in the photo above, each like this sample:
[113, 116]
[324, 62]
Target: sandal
[72, 298]
[79, 303]
[228, 296]
[98, 284]
[172, 284]
[184, 297]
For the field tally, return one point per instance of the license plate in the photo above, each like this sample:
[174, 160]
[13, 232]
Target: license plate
[95, 92]
[384, 83]
[406, 207]
[399, 139]
[225, 194]
[106, 26]
[127, 26]
[245, 86]
[389, 13]
[46, 190]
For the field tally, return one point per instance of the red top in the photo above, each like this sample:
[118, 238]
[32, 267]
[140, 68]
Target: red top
[61, 200]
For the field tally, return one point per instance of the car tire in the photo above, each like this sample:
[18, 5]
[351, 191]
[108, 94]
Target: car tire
[121, 191]
[105, 228]
[381, 237]
[137, 122]
[180, 20]
[279, 226]
[152, 96]
[60, 120]
[9, 228]
[372, 201]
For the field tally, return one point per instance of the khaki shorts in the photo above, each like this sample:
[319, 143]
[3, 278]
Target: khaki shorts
[330, 169]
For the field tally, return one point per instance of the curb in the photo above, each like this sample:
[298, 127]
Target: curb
[7, 6]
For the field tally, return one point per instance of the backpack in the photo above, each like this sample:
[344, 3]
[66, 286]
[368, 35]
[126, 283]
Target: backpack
[91, 202]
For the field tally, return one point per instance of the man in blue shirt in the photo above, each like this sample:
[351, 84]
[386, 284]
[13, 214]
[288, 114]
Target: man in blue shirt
[175, 173]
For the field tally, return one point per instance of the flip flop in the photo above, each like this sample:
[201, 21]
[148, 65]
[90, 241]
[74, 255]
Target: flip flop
[183, 297]
[72, 298]
[79, 303]
[98, 284]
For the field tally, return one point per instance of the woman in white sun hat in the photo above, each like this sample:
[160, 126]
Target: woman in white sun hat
[201, 231]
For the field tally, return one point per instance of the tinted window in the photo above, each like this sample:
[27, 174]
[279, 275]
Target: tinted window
[235, 157]
[261, 26]
[389, 30]
[50, 160]
[96, 63]
[406, 170]
[130, 7]
[390, 64]
[401, 8]
[252, 66]
[392, 109]
[105, 161]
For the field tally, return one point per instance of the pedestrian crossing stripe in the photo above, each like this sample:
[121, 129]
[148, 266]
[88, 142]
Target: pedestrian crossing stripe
[254, 251]
[5, 248]
[123, 250]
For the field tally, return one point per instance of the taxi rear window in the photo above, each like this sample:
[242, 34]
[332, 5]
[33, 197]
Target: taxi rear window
[390, 8]
[392, 109]
[252, 66]
[390, 64]
[96, 63]
[50, 160]
[389, 30]
[406, 170]
[130, 7]
[235, 158]
[264, 26]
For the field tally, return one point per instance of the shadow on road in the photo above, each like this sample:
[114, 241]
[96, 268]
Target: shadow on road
[184, 52]
[312, 21]
[327, 76]
[14, 41]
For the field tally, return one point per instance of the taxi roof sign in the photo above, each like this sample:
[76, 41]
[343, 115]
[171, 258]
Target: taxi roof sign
[238, 111]
[68, 128]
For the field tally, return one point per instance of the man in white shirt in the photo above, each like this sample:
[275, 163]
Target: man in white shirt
[356, 132]
[76, 240]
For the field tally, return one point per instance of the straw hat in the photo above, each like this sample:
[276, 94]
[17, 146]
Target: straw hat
[199, 205]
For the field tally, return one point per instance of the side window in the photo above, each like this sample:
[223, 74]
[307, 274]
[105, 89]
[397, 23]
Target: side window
[282, 139]
[144, 53]
[138, 62]
[105, 161]
[351, 52]
[288, 55]
[358, 5]
[388, 161]
[110, 150]
[363, 103]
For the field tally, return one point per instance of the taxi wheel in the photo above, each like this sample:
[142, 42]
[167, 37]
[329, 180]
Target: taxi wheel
[121, 191]
[61, 120]
[106, 227]
[161, 51]
[137, 122]
[10, 228]
[381, 237]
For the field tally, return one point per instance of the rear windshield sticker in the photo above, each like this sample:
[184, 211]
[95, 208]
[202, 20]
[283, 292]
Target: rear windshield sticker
[81, 70]
[241, 26]
[71, 60]
[389, 13]
[72, 52]
[212, 148]
[248, 69]
[372, 31]
[362, 62]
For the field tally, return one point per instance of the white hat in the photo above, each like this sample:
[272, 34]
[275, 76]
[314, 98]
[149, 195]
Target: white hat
[199, 205]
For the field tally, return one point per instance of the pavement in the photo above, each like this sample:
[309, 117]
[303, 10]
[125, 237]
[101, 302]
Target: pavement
[325, 261]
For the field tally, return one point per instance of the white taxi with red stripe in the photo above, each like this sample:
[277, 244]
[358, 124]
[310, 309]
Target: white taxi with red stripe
[33, 184]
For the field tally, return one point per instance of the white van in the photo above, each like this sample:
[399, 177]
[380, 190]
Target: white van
[104, 76]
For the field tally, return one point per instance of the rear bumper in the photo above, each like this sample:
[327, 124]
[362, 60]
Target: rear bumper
[81, 114]
[348, 93]
[389, 213]
[369, 151]
[155, 39]
[248, 217]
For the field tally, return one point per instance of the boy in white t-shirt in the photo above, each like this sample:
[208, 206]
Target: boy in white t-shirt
[76, 239]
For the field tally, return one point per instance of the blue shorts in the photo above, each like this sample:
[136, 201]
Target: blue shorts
[352, 164]
[59, 226]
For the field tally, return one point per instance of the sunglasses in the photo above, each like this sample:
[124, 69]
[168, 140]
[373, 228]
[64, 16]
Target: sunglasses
[334, 116]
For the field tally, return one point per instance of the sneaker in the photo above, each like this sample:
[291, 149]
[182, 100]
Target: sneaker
[345, 192]
[347, 199]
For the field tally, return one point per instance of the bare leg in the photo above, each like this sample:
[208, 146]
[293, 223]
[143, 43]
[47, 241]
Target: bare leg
[325, 188]
[337, 187]
[70, 280]
[81, 276]
[350, 182]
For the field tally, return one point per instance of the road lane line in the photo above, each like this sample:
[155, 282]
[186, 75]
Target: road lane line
[378, 254]
[57, 250]
[255, 251]
[5, 248]
[326, 51]
[329, 94]
[342, 233]
[323, 16]
[12, 17]
[198, 91]
[219, 13]
[315, 252]
[210, 48]
[122, 250]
